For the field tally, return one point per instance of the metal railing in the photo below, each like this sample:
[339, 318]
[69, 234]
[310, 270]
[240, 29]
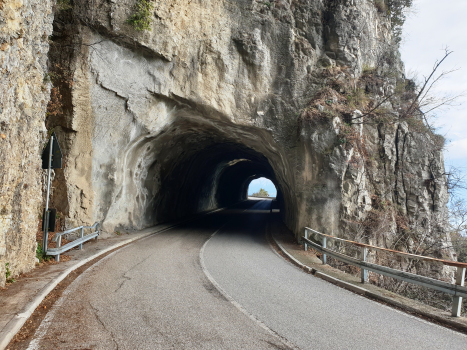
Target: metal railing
[77, 242]
[457, 290]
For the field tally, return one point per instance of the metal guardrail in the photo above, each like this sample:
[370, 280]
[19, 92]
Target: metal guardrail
[457, 290]
[83, 238]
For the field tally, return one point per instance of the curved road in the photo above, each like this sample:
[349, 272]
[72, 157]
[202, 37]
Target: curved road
[306, 310]
[155, 294]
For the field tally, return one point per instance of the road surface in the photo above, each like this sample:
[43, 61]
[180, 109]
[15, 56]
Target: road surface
[162, 293]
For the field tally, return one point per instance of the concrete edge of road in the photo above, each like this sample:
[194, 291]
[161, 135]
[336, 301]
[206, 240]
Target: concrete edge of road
[452, 323]
[15, 324]
[13, 327]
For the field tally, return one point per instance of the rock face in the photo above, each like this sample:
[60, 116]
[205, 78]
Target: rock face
[223, 74]
[161, 124]
[24, 31]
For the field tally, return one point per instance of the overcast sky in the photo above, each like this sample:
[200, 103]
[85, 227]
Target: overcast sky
[433, 26]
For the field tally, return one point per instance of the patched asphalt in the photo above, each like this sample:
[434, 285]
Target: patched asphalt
[152, 294]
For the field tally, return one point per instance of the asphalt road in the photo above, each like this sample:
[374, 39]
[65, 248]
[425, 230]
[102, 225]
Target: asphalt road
[155, 294]
[310, 312]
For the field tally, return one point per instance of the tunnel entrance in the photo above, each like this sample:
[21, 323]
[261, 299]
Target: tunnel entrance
[190, 167]
[262, 187]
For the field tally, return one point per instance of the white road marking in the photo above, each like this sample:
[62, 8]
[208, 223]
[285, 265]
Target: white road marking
[233, 301]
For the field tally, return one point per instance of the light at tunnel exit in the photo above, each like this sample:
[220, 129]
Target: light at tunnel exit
[264, 183]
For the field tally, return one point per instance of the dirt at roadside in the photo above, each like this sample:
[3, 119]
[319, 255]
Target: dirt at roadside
[22, 339]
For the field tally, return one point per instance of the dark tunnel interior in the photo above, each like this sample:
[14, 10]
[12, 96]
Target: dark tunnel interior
[214, 177]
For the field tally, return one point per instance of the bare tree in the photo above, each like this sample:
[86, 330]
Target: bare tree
[422, 101]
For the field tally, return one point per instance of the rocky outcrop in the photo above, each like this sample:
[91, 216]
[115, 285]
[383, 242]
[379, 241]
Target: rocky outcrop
[24, 94]
[245, 69]
[164, 123]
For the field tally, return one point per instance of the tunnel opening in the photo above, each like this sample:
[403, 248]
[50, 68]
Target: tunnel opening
[215, 177]
[262, 187]
[192, 167]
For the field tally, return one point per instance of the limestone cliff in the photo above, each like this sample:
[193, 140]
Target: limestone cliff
[160, 124]
[240, 71]
[24, 94]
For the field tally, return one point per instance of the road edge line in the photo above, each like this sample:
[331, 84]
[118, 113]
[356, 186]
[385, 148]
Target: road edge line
[234, 302]
[364, 292]
[15, 324]
[45, 323]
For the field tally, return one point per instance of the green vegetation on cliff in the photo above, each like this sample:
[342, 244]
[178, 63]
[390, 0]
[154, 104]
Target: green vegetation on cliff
[142, 16]
[397, 12]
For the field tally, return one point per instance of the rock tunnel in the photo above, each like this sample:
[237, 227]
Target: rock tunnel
[159, 125]
[191, 166]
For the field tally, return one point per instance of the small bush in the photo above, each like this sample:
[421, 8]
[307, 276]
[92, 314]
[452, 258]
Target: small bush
[8, 274]
[368, 70]
[459, 243]
[142, 18]
[63, 5]
[397, 10]
[261, 193]
[40, 253]
[357, 99]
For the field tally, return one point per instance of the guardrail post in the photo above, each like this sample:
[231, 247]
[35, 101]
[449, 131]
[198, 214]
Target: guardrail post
[457, 302]
[81, 235]
[306, 236]
[59, 244]
[324, 254]
[364, 273]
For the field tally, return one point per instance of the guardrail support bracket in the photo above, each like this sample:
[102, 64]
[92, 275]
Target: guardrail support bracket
[457, 301]
[324, 254]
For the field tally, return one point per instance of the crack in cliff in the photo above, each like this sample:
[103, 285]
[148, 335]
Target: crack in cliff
[396, 165]
[382, 152]
[433, 182]
[124, 41]
[402, 173]
[399, 166]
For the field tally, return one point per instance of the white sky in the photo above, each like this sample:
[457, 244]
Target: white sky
[434, 25]
[262, 182]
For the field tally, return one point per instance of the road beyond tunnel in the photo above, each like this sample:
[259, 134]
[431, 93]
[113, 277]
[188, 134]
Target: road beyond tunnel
[160, 293]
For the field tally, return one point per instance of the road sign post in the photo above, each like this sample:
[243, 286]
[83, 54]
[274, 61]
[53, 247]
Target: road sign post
[51, 159]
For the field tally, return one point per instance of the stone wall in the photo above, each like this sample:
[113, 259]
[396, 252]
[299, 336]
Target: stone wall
[25, 27]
